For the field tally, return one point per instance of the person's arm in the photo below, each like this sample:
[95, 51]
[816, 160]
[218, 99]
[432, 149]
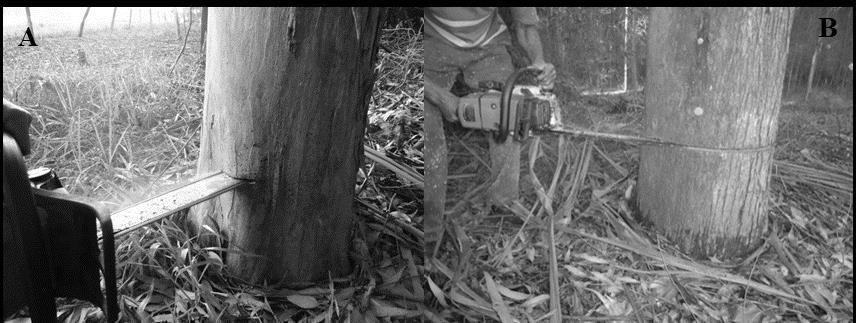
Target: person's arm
[528, 38]
[442, 99]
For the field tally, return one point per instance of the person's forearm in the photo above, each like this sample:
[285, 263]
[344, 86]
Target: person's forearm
[442, 99]
[529, 39]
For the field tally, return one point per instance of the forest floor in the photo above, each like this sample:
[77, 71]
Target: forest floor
[119, 125]
[496, 264]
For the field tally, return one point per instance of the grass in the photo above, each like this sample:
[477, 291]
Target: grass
[612, 269]
[109, 126]
[119, 127]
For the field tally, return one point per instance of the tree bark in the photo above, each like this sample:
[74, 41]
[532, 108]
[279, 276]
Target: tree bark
[82, 22]
[714, 81]
[286, 97]
[203, 29]
[30, 21]
[113, 20]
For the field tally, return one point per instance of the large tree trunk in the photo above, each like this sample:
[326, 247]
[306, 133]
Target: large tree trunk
[286, 96]
[113, 20]
[29, 20]
[714, 81]
[83, 22]
[203, 29]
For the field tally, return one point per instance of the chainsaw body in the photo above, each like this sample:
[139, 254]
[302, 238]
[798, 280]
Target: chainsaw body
[50, 243]
[529, 109]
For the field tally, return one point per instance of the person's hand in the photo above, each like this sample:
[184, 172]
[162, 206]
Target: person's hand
[548, 74]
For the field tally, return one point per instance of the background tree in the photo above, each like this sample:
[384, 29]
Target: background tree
[714, 81]
[83, 22]
[204, 29]
[177, 23]
[289, 115]
[113, 20]
[29, 20]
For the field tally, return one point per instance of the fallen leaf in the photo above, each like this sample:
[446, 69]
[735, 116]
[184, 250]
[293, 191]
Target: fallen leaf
[496, 300]
[437, 291]
[303, 301]
[535, 301]
[385, 309]
[515, 295]
[748, 312]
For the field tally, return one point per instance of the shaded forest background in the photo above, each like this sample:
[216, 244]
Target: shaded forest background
[589, 46]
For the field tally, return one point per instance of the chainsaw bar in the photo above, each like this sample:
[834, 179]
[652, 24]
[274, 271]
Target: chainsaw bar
[566, 130]
[204, 187]
[572, 131]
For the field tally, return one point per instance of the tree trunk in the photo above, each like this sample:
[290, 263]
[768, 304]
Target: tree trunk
[130, 16]
[812, 68]
[627, 51]
[112, 21]
[29, 20]
[714, 82]
[83, 22]
[633, 52]
[189, 19]
[634, 65]
[150, 17]
[203, 29]
[177, 24]
[286, 97]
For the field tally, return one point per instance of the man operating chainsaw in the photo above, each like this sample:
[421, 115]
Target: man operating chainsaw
[474, 42]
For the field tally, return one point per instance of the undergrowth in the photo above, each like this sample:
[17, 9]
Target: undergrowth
[494, 264]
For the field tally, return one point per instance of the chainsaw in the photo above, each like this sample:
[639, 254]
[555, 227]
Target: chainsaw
[514, 110]
[522, 110]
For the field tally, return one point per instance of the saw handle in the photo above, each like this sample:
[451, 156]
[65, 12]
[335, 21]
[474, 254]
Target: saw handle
[505, 103]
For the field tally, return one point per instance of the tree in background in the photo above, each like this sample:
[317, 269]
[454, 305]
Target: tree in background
[29, 20]
[204, 28]
[113, 20]
[177, 23]
[83, 22]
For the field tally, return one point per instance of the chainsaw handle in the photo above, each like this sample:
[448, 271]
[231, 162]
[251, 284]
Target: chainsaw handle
[16, 122]
[505, 103]
[26, 233]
